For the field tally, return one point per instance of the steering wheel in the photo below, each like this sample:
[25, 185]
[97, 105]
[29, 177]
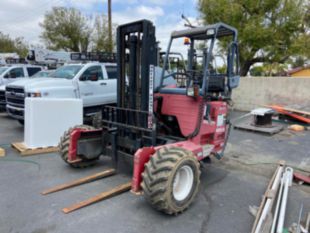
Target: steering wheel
[174, 74]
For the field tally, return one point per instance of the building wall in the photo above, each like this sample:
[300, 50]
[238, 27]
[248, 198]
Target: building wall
[302, 73]
[254, 92]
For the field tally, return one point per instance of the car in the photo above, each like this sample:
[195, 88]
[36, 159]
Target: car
[93, 82]
[11, 73]
[2, 98]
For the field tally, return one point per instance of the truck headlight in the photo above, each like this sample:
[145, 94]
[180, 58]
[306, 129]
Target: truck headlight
[34, 94]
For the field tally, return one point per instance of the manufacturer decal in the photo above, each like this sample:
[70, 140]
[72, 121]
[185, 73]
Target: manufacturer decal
[206, 150]
[151, 97]
[220, 120]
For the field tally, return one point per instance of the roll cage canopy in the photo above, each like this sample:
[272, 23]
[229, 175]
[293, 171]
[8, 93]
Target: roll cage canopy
[207, 32]
[225, 82]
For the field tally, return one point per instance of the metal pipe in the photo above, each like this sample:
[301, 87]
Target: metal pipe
[288, 177]
[276, 213]
[165, 64]
[269, 202]
[190, 55]
[133, 71]
[299, 218]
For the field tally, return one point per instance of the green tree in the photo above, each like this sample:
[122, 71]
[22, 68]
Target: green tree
[67, 29]
[100, 36]
[269, 31]
[298, 62]
[10, 45]
[269, 69]
[257, 71]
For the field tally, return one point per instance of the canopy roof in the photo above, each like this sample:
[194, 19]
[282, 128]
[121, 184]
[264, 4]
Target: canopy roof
[207, 32]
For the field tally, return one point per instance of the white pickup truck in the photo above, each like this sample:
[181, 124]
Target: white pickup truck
[12, 73]
[94, 83]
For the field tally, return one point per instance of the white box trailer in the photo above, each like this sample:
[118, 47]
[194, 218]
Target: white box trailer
[5, 56]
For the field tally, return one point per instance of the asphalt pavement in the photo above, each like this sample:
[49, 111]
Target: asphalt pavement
[227, 189]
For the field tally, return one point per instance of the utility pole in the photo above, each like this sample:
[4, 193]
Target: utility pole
[110, 47]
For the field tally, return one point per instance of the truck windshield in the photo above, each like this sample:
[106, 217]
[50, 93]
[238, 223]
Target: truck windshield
[2, 69]
[67, 72]
[43, 74]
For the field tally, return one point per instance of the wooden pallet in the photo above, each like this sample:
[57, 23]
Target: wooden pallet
[247, 125]
[23, 150]
[2, 152]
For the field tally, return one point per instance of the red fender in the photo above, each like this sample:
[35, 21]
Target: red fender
[74, 136]
[141, 157]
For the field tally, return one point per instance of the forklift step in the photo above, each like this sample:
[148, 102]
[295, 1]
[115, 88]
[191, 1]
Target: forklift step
[83, 180]
[102, 196]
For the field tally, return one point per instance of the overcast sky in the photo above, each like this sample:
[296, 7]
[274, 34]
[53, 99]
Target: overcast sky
[20, 18]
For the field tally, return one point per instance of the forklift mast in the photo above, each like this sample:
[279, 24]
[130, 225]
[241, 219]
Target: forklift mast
[131, 124]
[136, 53]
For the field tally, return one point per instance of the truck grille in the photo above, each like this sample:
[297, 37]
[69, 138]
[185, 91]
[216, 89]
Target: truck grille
[15, 89]
[2, 98]
[15, 96]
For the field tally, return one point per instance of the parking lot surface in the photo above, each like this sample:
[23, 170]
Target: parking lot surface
[227, 189]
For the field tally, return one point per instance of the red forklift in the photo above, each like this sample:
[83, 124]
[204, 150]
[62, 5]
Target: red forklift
[165, 128]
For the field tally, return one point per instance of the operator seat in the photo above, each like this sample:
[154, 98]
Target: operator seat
[216, 84]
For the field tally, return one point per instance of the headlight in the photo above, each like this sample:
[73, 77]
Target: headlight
[34, 94]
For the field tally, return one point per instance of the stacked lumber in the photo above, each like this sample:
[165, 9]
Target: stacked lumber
[302, 116]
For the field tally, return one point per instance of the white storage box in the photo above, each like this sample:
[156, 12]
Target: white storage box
[47, 119]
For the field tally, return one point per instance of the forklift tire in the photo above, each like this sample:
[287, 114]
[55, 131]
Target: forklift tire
[64, 148]
[171, 180]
